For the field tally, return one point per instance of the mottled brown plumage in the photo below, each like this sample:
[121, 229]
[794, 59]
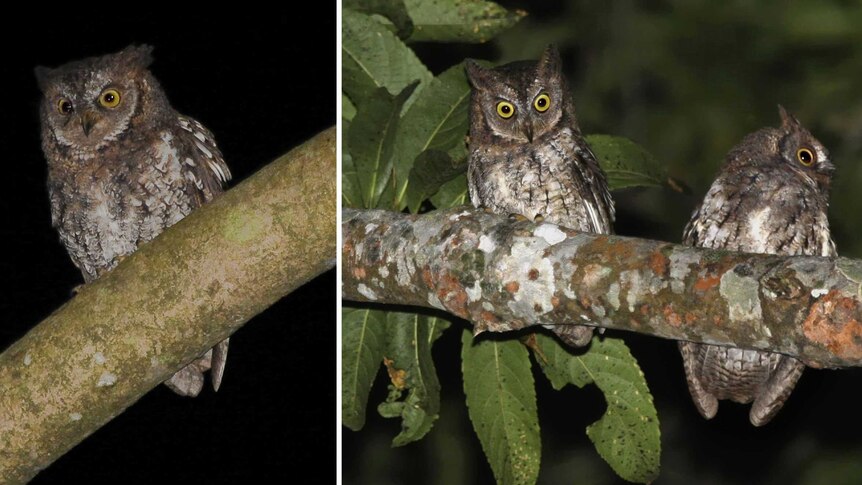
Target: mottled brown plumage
[528, 157]
[771, 197]
[122, 167]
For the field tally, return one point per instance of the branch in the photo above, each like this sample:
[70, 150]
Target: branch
[166, 304]
[504, 275]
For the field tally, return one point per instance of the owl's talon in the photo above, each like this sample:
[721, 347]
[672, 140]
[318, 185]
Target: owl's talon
[517, 218]
[539, 218]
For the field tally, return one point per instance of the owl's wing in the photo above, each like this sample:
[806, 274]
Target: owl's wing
[595, 177]
[208, 168]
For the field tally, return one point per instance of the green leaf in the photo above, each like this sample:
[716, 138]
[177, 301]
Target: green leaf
[362, 341]
[437, 120]
[373, 58]
[432, 169]
[411, 370]
[371, 140]
[627, 436]
[472, 21]
[436, 327]
[501, 400]
[348, 109]
[626, 163]
[451, 194]
[394, 10]
[350, 193]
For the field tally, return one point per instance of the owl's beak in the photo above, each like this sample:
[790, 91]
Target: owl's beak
[88, 119]
[528, 129]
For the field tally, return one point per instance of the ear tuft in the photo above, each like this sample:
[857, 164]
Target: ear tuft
[476, 74]
[550, 61]
[140, 56]
[44, 75]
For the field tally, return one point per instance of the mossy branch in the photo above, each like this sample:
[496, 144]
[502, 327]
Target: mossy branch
[505, 275]
[171, 300]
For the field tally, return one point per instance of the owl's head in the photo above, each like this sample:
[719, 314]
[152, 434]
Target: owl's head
[518, 102]
[89, 103]
[804, 153]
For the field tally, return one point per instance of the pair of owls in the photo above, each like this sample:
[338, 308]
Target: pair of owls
[528, 157]
[123, 166]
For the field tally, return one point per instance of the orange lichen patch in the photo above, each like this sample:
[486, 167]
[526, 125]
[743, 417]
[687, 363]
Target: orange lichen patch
[831, 322]
[716, 320]
[427, 277]
[397, 376]
[359, 273]
[593, 274]
[533, 274]
[706, 283]
[690, 318]
[489, 319]
[611, 251]
[452, 294]
[512, 287]
[671, 316]
[658, 263]
[555, 302]
[644, 310]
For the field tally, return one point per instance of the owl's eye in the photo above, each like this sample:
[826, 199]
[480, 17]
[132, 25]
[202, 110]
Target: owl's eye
[505, 109]
[64, 106]
[806, 157]
[542, 102]
[110, 98]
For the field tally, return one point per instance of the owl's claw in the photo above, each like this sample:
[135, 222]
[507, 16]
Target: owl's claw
[517, 218]
[539, 218]
[218, 362]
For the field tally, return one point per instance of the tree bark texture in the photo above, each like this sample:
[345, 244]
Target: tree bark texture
[166, 304]
[504, 275]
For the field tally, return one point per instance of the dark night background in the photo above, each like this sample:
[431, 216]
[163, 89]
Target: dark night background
[686, 80]
[262, 82]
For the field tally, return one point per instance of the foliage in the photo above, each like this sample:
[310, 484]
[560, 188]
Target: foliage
[404, 132]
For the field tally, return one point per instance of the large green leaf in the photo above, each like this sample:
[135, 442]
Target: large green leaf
[437, 120]
[459, 20]
[371, 139]
[452, 193]
[394, 10]
[362, 342]
[501, 400]
[411, 370]
[436, 327]
[626, 163]
[373, 57]
[627, 436]
[432, 169]
[348, 109]
[350, 192]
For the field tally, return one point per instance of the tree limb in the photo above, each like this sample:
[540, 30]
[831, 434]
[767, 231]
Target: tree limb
[504, 275]
[166, 304]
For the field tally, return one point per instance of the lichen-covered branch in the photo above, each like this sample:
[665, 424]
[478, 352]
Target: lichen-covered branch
[166, 304]
[505, 275]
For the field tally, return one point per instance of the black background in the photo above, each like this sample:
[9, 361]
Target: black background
[262, 82]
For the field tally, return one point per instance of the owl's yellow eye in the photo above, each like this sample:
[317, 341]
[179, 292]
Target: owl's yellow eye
[542, 102]
[505, 109]
[110, 98]
[64, 106]
[806, 157]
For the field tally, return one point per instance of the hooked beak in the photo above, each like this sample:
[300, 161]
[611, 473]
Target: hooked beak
[528, 129]
[88, 119]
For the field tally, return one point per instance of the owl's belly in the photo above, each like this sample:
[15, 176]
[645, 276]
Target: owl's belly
[548, 190]
[105, 220]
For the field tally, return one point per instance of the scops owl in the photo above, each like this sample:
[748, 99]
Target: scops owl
[528, 157]
[123, 165]
[771, 197]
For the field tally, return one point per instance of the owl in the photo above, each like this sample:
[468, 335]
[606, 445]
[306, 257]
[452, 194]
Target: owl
[771, 196]
[528, 156]
[123, 166]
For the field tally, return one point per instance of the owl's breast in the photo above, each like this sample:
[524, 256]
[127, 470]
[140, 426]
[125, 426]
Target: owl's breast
[540, 180]
[106, 209]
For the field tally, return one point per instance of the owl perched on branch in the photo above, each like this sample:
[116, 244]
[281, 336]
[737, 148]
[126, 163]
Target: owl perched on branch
[123, 166]
[770, 197]
[528, 156]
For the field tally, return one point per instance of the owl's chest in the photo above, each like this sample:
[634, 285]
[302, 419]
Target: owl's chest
[532, 181]
[108, 207]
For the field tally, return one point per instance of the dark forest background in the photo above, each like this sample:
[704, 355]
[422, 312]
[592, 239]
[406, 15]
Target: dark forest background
[263, 82]
[686, 80]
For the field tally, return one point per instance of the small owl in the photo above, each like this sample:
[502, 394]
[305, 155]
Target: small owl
[528, 157]
[123, 165]
[770, 197]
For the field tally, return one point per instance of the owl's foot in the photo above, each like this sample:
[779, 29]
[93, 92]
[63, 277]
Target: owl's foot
[77, 289]
[706, 403]
[539, 218]
[517, 218]
[574, 335]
